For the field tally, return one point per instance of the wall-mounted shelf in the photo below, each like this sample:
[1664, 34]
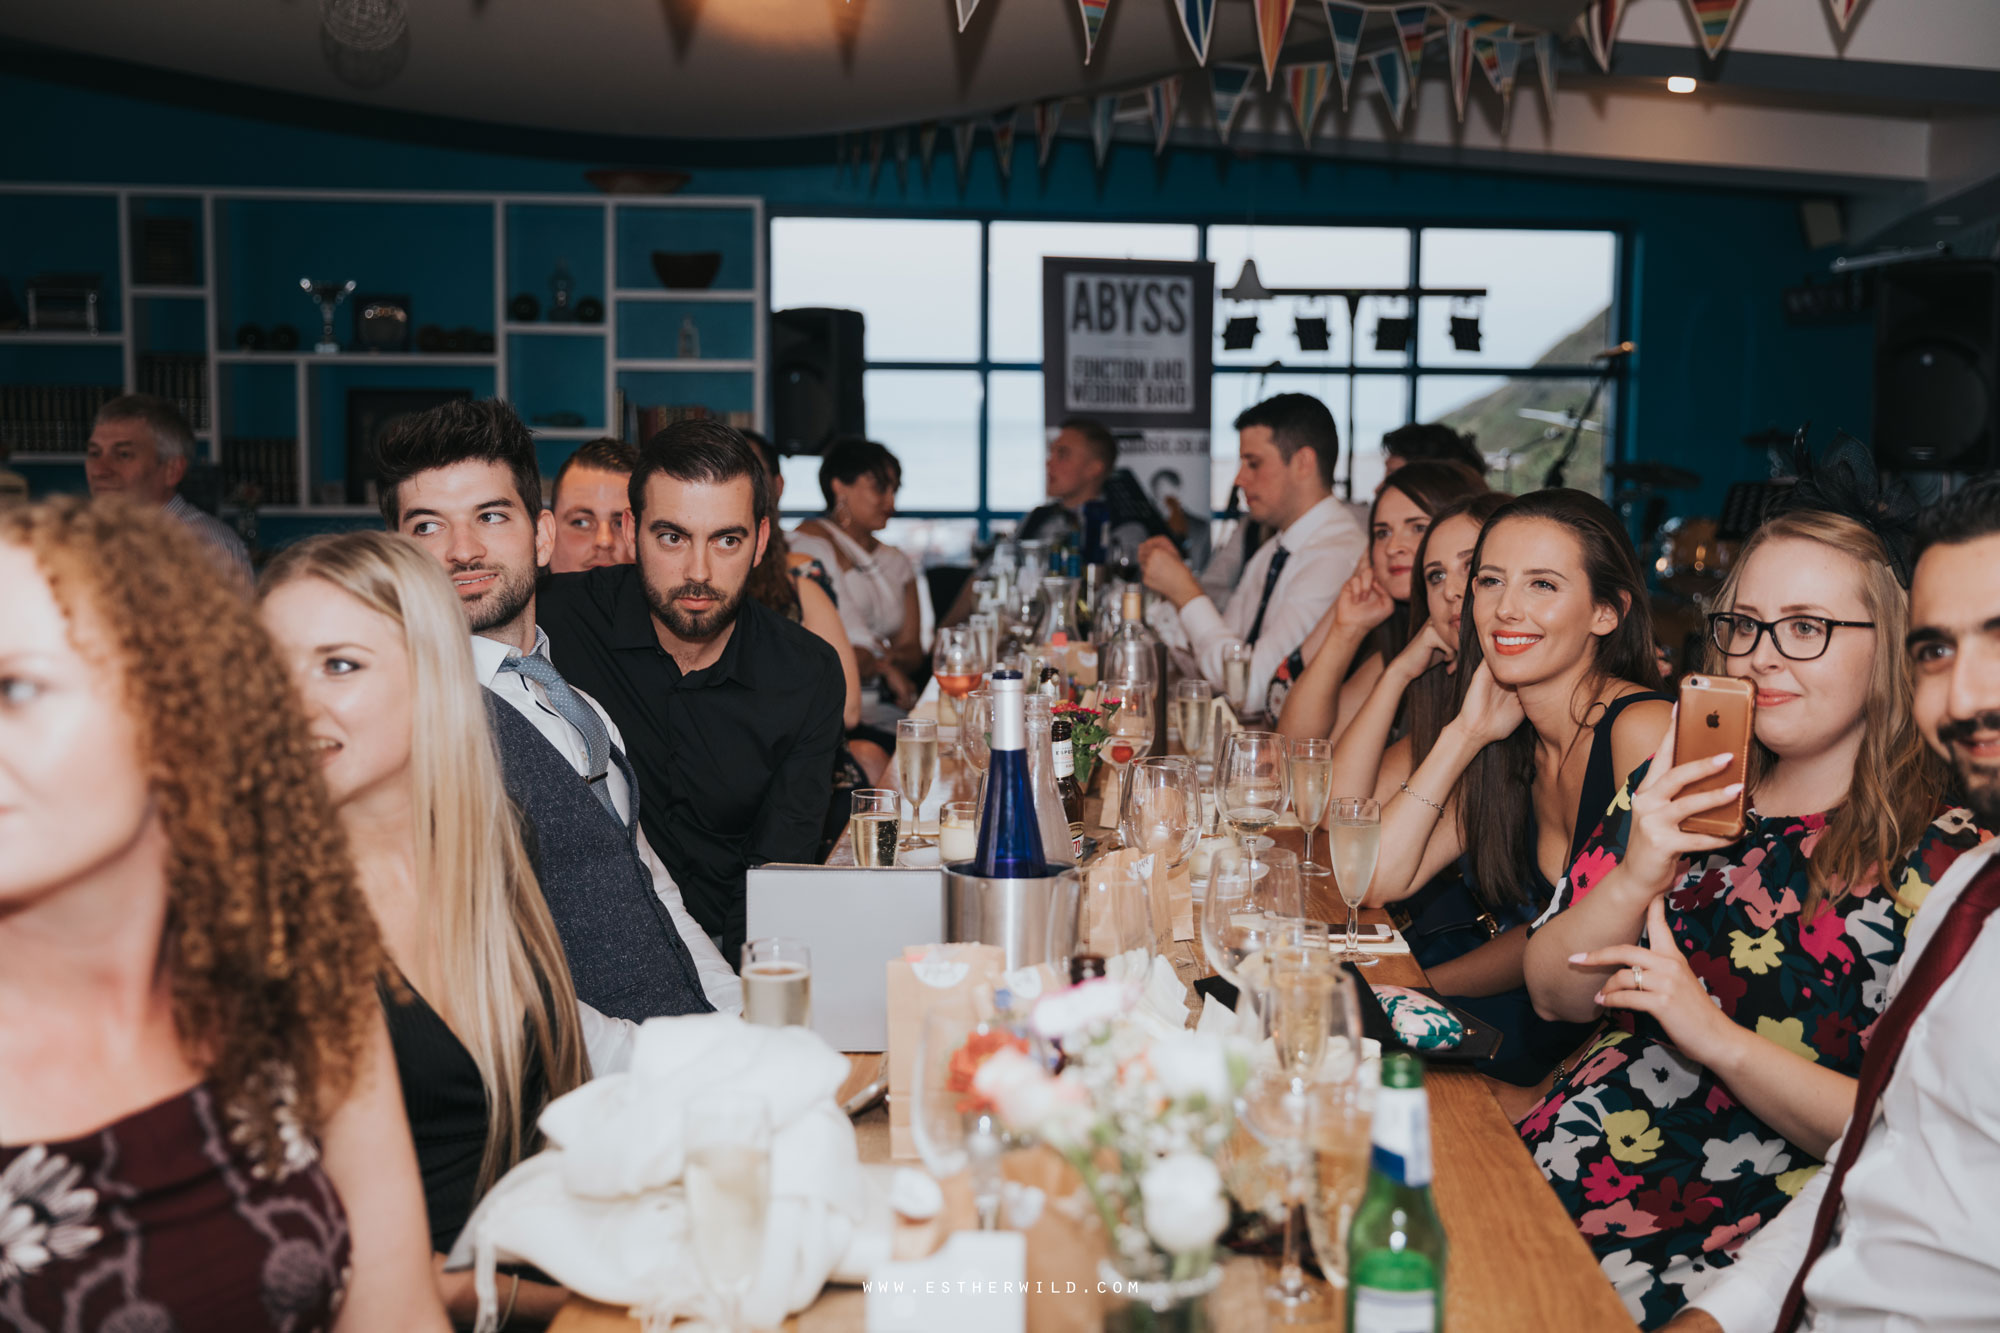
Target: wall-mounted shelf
[171, 293]
[358, 358]
[575, 330]
[680, 294]
[568, 432]
[684, 363]
[52, 338]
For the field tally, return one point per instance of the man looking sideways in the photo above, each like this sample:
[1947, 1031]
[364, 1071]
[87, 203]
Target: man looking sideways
[589, 505]
[734, 712]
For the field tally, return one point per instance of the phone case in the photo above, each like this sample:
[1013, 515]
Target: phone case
[1716, 715]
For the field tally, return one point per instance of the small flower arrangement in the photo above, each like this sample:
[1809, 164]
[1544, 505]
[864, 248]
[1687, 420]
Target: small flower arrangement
[1087, 734]
[1140, 1114]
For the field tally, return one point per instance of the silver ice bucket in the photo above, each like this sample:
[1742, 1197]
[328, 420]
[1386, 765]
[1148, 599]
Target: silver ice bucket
[1012, 914]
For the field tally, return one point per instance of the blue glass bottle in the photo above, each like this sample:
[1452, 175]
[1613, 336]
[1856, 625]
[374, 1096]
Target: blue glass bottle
[1010, 837]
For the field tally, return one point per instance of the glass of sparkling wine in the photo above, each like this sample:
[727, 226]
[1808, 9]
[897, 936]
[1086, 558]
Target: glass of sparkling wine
[728, 1180]
[1251, 778]
[1337, 1126]
[777, 983]
[1193, 711]
[1236, 656]
[1312, 781]
[1355, 829]
[958, 831]
[916, 770]
[871, 826]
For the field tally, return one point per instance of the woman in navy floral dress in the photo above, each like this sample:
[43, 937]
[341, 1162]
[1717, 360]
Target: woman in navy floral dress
[1738, 1020]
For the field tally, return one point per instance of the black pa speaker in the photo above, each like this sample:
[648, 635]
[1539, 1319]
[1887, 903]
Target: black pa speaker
[1937, 366]
[816, 379]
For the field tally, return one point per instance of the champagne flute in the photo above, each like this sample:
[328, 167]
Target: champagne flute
[975, 730]
[955, 664]
[1194, 712]
[1337, 1126]
[1251, 778]
[955, 1128]
[777, 983]
[728, 1182]
[1236, 656]
[1162, 812]
[1312, 781]
[871, 826]
[1129, 731]
[916, 770]
[1355, 830]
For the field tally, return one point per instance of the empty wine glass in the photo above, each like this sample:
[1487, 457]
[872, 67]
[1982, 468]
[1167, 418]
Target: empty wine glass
[1251, 778]
[1355, 829]
[956, 1128]
[1252, 899]
[1162, 810]
[975, 729]
[728, 1184]
[1128, 732]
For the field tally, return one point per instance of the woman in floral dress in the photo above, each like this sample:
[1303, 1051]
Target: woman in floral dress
[1738, 1020]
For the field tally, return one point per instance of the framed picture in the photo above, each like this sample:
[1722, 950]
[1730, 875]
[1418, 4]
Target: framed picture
[370, 412]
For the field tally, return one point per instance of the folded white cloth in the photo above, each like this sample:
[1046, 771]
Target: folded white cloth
[602, 1210]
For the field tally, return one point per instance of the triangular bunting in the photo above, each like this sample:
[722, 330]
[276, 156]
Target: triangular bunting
[1344, 20]
[1843, 10]
[1410, 20]
[1714, 19]
[1198, 22]
[1392, 72]
[1600, 29]
[1231, 85]
[1163, 101]
[962, 133]
[1305, 88]
[1506, 64]
[902, 150]
[1485, 26]
[1048, 120]
[1458, 45]
[1545, 64]
[876, 143]
[1003, 141]
[1273, 17]
[1093, 19]
[1486, 55]
[927, 134]
[1103, 118]
[965, 8]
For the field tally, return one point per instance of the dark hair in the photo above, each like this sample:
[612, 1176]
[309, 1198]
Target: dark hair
[1433, 442]
[604, 453]
[1431, 487]
[1297, 421]
[851, 458]
[1967, 514]
[1103, 444]
[483, 430]
[172, 436]
[1496, 794]
[766, 451]
[1431, 701]
[701, 450]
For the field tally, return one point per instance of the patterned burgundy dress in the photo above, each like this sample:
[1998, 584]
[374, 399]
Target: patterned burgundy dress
[161, 1223]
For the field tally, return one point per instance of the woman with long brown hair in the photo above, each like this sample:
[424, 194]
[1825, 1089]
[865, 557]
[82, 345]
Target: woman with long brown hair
[195, 1061]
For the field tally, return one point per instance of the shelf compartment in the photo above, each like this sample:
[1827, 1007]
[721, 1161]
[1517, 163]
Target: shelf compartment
[547, 375]
[63, 233]
[539, 236]
[650, 330]
[358, 358]
[641, 229]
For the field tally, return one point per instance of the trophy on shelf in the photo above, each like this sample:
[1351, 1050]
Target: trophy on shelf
[328, 296]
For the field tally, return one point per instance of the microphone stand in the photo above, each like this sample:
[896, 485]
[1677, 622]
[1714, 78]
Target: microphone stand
[1610, 357]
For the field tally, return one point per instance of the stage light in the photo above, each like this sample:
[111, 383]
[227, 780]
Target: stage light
[1680, 83]
[1465, 332]
[1239, 333]
[1392, 333]
[1249, 287]
[1311, 333]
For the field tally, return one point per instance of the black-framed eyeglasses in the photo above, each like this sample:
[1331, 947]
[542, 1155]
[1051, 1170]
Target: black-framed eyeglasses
[1800, 638]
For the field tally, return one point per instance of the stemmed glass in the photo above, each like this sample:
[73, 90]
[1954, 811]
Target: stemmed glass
[1162, 811]
[955, 663]
[1236, 656]
[1312, 782]
[956, 1128]
[975, 730]
[1253, 899]
[728, 1181]
[1251, 778]
[1194, 713]
[1355, 830]
[1129, 732]
[916, 770]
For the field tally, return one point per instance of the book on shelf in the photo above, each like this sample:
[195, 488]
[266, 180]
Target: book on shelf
[269, 464]
[641, 423]
[50, 418]
[181, 380]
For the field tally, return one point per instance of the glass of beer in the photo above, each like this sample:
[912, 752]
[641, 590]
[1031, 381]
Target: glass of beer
[872, 825]
[777, 983]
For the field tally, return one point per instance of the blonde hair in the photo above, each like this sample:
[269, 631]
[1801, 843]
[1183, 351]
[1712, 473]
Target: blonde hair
[1898, 784]
[489, 936]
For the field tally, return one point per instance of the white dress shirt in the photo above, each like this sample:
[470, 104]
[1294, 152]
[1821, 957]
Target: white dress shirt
[719, 981]
[1917, 1245]
[1325, 544]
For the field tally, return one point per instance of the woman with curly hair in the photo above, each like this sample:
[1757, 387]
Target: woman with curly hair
[482, 1012]
[199, 1125]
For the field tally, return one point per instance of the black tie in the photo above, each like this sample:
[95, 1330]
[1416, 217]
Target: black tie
[1270, 581]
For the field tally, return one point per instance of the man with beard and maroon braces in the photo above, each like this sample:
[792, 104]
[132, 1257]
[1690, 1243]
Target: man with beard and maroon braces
[733, 712]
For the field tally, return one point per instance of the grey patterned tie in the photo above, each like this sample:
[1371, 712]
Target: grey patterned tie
[578, 714]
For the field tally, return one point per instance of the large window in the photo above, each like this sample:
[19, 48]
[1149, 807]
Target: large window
[954, 345]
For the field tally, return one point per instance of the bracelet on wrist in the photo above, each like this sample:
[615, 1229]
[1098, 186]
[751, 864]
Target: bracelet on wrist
[1410, 791]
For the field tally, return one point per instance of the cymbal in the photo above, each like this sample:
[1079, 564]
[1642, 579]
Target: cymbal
[1647, 472]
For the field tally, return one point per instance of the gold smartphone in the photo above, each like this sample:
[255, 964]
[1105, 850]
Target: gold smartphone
[1716, 716]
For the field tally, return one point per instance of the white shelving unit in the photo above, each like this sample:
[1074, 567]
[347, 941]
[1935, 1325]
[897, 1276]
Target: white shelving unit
[219, 350]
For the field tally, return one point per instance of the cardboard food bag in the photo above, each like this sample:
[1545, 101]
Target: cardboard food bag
[953, 978]
[1122, 884]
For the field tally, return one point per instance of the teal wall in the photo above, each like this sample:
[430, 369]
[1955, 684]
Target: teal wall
[1704, 266]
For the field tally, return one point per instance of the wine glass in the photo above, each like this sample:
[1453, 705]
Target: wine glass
[1312, 782]
[975, 732]
[1194, 714]
[956, 1129]
[728, 1183]
[1251, 778]
[916, 771]
[1252, 900]
[1338, 1118]
[1236, 656]
[1162, 811]
[1129, 731]
[1355, 830]
[955, 663]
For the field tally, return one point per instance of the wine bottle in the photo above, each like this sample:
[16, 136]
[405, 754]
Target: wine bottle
[1066, 784]
[1396, 1246]
[1010, 838]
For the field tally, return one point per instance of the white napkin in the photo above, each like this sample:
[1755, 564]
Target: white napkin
[602, 1211]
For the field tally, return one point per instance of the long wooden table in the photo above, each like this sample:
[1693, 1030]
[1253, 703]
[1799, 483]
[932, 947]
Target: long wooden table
[1517, 1263]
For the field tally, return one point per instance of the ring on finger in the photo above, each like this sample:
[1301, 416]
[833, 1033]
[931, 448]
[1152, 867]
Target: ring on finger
[1638, 978]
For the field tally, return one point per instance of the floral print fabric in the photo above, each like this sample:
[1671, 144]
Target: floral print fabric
[1664, 1172]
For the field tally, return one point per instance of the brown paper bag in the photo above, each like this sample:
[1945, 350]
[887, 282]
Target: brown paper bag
[1109, 894]
[926, 979]
[1180, 899]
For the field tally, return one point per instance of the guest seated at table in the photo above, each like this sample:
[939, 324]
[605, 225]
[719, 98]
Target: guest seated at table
[1317, 689]
[588, 501]
[1553, 677]
[1288, 447]
[1742, 974]
[486, 1024]
[199, 1122]
[1912, 1223]
[1429, 442]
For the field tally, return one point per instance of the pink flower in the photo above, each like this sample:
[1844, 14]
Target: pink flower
[1719, 1099]
[1620, 1219]
[1731, 1235]
[1590, 868]
[1542, 1116]
[1597, 1066]
[1605, 1183]
[1822, 938]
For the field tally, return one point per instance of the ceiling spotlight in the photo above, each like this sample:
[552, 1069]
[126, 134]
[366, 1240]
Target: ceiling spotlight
[1239, 333]
[1311, 333]
[1392, 333]
[1465, 332]
[1680, 83]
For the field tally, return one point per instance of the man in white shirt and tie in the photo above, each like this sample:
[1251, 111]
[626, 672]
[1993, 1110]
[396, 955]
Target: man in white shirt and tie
[1287, 450]
[1912, 1238]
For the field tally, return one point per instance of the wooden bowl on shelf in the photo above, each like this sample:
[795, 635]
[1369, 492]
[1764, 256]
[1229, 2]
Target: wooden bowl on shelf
[687, 268]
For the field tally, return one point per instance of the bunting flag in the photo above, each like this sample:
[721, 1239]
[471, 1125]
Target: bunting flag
[1093, 19]
[1163, 100]
[1344, 20]
[962, 133]
[1714, 19]
[965, 8]
[1048, 120]
[1103, 118]
[1231, 85]
[1506, 64]
[1003, 141]
[903, 158]
[876, 142]
[1458, 46]
[927, 133]
[1410, 21]
[1843, 10]
[1545, 63]
[1600, 29]
[1198, 22]
[1273, 17]
[1484, 27]
[1305, 86]
[1392, 72]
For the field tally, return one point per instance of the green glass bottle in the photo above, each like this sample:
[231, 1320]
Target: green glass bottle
[1396, 1246]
